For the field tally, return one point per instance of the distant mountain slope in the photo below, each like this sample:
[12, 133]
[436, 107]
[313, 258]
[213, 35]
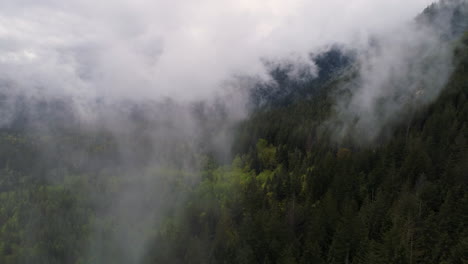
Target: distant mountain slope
[447, 18]
[286, 88]
[450, 17]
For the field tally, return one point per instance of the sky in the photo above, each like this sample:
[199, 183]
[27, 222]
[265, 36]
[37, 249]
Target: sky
[172, 48]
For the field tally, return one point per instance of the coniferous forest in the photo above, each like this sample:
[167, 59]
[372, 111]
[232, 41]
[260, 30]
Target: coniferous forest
[287, 188]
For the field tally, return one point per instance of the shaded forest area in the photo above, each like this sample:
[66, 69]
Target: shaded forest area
[292, 194]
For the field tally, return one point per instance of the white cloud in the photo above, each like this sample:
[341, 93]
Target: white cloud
[185, 49]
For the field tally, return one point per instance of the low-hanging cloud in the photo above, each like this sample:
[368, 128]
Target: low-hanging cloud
[402, 69]
[180, 49]
[161, 54]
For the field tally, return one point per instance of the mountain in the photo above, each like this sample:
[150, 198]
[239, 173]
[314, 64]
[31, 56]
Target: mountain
[297, 197]
[143, 182]
[448, 17]
[286, 87]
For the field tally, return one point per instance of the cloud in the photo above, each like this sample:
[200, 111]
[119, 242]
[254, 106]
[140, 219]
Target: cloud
[400, 70]
[87, 50]
[180, 49]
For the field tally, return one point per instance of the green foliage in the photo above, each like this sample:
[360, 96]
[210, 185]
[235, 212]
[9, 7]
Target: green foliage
[291, 194]
[297, 197]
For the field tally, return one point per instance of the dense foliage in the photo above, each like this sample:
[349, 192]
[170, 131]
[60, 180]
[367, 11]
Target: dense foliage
[296, 197]
[291, 194]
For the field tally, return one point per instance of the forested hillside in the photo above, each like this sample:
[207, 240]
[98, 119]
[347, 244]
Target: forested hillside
[286, 189]
[293, 196]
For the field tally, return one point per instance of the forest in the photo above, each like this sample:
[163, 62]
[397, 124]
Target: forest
[290, 190]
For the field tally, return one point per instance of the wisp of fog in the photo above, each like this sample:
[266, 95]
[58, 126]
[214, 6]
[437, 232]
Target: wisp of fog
[169, 70]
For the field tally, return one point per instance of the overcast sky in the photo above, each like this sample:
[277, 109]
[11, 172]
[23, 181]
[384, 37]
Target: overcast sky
[174, 48]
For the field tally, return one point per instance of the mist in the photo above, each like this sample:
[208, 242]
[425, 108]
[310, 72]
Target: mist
[401, 70]
[159, 81]
[184, 50]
